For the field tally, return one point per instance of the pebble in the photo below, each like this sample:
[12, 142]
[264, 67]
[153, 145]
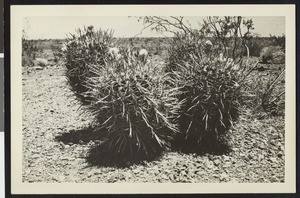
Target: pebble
[234, 180]
[210, 164]
[217, 162]
[223, 176]
[242, 155]
[273, 179]
[226, 158]
[35, 156]
[61, 178]
[260, 157]
[273, 159]
[227, 164]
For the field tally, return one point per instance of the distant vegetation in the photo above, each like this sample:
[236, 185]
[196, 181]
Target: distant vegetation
[156, 43]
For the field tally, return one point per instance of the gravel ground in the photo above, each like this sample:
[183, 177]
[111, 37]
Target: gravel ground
[56, 142]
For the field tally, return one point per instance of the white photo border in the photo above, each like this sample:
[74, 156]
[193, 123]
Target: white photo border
[18, 12]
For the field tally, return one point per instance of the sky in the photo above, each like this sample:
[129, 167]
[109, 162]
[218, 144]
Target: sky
[55, 27]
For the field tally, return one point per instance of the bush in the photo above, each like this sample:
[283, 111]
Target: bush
[268, 93]
[133, 106]
[272, 54]
[29, 52]
[41, 62]
[210, 96]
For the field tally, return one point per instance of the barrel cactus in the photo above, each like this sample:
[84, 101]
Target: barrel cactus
[210, 98]
[134, 109]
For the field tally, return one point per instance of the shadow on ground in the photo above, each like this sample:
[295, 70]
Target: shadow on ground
[105, 154]
[81, 136]
[220, 147]
[110, 153]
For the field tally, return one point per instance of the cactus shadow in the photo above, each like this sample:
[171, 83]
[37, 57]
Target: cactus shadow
[80, 136]
[100, 154]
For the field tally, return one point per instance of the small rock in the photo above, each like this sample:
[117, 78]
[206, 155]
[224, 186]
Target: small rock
[217, 162]
[111, 180]
[210, 157]
[227, 164]
[261, 146]
[210, 164]
[250, 156]
[226, 158]
[172, 177]
[273, 179]
[61, 178]
[273, 159]
[280, 155]
[272, 142]
[165, 177]
[252, 162]
[234, 180]
[34, 156]
[64, 158]
[80, 172]
[242, 155]
[215, 175]
[260, 157]
[223, 176]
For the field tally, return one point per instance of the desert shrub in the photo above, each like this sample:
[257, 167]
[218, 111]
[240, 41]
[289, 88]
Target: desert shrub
[267, 93]
[133, 106]
[41, 62]
[56, 48]
[273, 97]
[272, 54]
[279, 41]
[29, 52]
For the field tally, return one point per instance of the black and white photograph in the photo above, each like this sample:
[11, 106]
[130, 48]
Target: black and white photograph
[157, 98]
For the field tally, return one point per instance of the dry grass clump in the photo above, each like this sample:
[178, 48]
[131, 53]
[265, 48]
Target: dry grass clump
[267, 93]
[272, 54]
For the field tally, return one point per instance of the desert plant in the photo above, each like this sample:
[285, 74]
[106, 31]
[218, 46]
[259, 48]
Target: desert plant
[279, 41]
[272, 100]
[29, 52]
[134, 110]
[210, 97]
[267, 91]
[30, 49]
[133, 106]
[272, 54]
[209, 81]
[86, 46]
